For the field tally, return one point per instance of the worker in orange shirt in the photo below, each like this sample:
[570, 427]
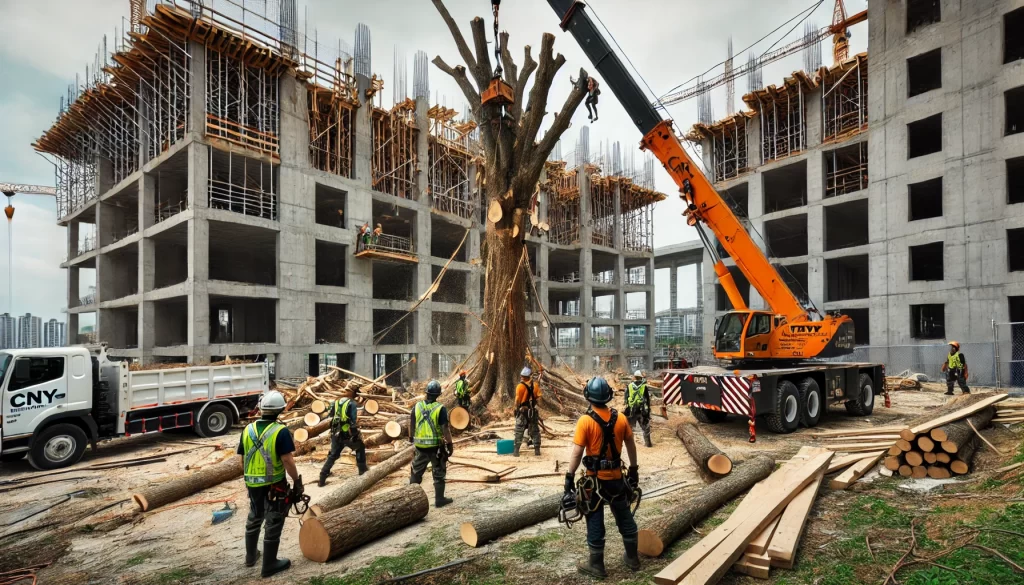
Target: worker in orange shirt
[601, 434]
[527, 416]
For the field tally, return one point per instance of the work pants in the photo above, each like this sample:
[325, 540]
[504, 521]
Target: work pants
[591, 103]
[641, 416]
[438, 465]
[615, 490]
[338, 442]
[262, 508]
[463, 401]
[958, 378]
[527, 418]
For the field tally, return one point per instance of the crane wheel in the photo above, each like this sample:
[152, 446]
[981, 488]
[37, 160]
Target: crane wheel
[786, 417]
[812, 404]
[863, 401]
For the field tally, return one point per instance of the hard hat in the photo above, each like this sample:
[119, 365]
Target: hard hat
[598, 391]
[378, 225]
[463, 373]
[272, 401]
[434, 388]
[638, 374]
[527, 372]
[955, 344]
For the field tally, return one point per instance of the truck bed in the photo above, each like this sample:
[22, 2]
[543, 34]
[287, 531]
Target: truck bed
[154, 388]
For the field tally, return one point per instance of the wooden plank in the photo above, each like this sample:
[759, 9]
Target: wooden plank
[782, 547]
[851, 446]
[882, 437]
[759, 560]
[846, 461]
[851, 475]
[958, 414]
[865, 449]
[856, 432]
[755, 571]
[759, 545]
[709, 558]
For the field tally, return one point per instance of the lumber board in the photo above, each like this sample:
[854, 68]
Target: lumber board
[849, 447]
[758, 560]
[783, 544]
[759, 545]
[756, 571]
[957, 414]
[892, 437]
[851, 475]
[846, 461]
[709, 558]
[856, 432]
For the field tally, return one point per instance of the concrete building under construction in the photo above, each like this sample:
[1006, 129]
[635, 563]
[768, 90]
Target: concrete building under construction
[216, 169]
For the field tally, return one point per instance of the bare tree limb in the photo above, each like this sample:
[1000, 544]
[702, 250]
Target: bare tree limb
[460, 42]
[483, 59]
[562, 120]
[458, 73]
[529, 66]
[509, 65]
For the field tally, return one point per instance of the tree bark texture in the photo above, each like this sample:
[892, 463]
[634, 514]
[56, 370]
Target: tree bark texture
[350, 490]
[960, 432]
[661, 532]
[705, 454]
[185, 485]
[487, 527]
[339, 531]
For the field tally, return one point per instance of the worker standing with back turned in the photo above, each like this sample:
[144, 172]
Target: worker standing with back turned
[956, 369]
[462, 390]
[266, 448]
[601, 433]
[638, 405]
[527, 416]
[428, 426]
[344, 433]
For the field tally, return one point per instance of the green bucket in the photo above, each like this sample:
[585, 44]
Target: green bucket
[505, 446]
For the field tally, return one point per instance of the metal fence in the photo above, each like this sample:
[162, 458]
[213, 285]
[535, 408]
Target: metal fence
[928, 360]
[1008, 344]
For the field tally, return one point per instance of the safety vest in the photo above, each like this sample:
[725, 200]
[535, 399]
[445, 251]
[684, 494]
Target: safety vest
[636, 394]
[340, 421]
[954, 362]
[428, 431]
[261, 464]
[461, 388]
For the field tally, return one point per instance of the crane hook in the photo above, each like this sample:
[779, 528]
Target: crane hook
[9, 210]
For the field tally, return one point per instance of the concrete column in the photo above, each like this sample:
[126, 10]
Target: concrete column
[673, 287]
[617, 215]
[198, 176]
[72, 328]
[586, 271]
[72, 248]
[197, 94]
[198, 253]
[73, 293]
[294, 128]
[422, 150]
[424, 278]
[362, 128]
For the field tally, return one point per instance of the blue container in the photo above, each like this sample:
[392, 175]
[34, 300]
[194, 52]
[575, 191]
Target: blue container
[505, 446]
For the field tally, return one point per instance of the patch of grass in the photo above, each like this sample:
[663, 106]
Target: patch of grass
[991, 484]
[138, 559]
[870, 511]
[415, 559]
[533, 549]
[175, 576]
[492, 574]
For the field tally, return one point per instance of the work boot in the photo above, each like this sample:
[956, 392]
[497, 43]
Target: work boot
[362, 469]
[536, 450]
[439, 500]
[515, 449]
[950, 393]
[647, 441]
[594, 567]
[271, 564]
[630, 558]
[322, 481]
[252, 554]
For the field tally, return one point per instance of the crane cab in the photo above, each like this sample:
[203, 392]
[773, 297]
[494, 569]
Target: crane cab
[745, 335]
[762, 335]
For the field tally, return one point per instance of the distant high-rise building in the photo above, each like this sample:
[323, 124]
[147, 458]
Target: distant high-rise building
[54, 334]
[29, 331]
[8, 332]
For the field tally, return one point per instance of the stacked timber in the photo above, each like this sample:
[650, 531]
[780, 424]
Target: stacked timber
[1009, 413]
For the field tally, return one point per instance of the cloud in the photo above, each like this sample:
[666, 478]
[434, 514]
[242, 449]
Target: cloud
[39, 244]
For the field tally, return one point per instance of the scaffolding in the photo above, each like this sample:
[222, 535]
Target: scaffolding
[452, 147]
[242, 185]
[637, 208]
[846, 170]
[783, 116]
[844, 102]
[242, 105]
[331, 130]
[728, 141]
[562, 189]
[393, 161]
[602, 209]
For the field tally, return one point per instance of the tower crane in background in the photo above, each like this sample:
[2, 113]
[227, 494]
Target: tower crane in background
[839, 30]
[9, 190]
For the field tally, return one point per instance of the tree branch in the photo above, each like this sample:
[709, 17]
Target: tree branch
[561, 123]
[458, 73]
[535, 111]
[460, 42]
[529, 66]
[483, 59]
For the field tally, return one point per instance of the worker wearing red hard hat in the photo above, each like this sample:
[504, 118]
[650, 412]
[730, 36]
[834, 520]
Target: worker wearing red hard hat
[956, 369]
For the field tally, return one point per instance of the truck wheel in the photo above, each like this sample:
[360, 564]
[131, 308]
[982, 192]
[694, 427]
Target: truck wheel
[57, 446]
[786, 417]
[811, 403]
[214, 421]
[708, 417]
[864, 400]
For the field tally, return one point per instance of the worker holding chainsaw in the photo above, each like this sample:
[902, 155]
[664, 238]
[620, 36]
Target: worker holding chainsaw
[955, 368]
[344, 433]
[266, 448]
[429, 425]
[638, 405]
[527, 415]
[601, 434]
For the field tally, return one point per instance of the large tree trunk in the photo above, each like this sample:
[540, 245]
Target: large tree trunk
[658, 534]
[709, 459]
[350, 490]
[185, 485]
[951, 436]
[339, 531]
[487, 527]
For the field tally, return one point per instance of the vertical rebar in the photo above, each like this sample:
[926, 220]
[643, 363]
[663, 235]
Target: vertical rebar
[363, 66]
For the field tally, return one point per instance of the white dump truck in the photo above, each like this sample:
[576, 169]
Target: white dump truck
[58, 400]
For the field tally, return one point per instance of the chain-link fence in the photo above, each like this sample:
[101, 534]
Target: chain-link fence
[1008, 343]
[928, 360]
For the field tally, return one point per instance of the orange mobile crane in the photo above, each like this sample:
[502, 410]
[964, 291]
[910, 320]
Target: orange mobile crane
[771, 347]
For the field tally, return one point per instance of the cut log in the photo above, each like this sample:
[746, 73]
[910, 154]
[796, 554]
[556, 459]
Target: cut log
[339, 531]
[183, 486]
[925, 444]
[371, 406]
[952, 435]
[318, 406]
[851, 475]
[709, 459]
[671, 524]
[943, 457]
[930, 458]
[393, 429]
[905, 470]
[918, 472]
[487, 527]
[962, 464]
[784, 542]
[892, 463]
[459, 418]
[300, 435]
[904, 445]
[938, 472]
[913, 458]
[311, 419]
[895, 451]
[351, 488]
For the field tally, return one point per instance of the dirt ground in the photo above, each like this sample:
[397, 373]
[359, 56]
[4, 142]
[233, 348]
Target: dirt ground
[853, 536]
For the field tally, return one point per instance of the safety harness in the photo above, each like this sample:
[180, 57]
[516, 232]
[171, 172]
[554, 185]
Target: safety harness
[595, 463]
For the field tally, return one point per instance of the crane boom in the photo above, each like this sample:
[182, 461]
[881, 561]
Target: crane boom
[13, 188]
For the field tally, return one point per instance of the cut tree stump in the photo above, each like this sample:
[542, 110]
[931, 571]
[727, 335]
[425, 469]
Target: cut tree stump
[665, 529]
[339, 531]
[371, 406]
[318, 406]
[351, 488]
[487, 527]
[311, 419]
[183, 486]
[459, 418]
[962, 463]
[709, 459]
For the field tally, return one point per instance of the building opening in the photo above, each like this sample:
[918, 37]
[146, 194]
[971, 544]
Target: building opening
[846, 278]
[786, 237]
[785, 187]
[928, 321]
[925, 199]
[921, 13]
[926, 261]
[924, 72]
[846, 225]
[924, 136]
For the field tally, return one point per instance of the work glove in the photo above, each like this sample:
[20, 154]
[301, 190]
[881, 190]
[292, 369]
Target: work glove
[633, 477]
[297, 488]
[570, 483]
[449, 448]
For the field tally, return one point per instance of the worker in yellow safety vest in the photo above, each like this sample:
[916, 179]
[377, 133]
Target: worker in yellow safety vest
[344, 433]
[462, 390]
[428, 429]
[266, 448]
[955, 368]
[638, 405]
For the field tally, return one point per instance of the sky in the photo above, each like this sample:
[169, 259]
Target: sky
[667, 41]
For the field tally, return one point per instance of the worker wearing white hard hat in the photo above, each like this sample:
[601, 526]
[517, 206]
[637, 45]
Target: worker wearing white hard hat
[266, 448]
[638, 406]
[527, 416]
